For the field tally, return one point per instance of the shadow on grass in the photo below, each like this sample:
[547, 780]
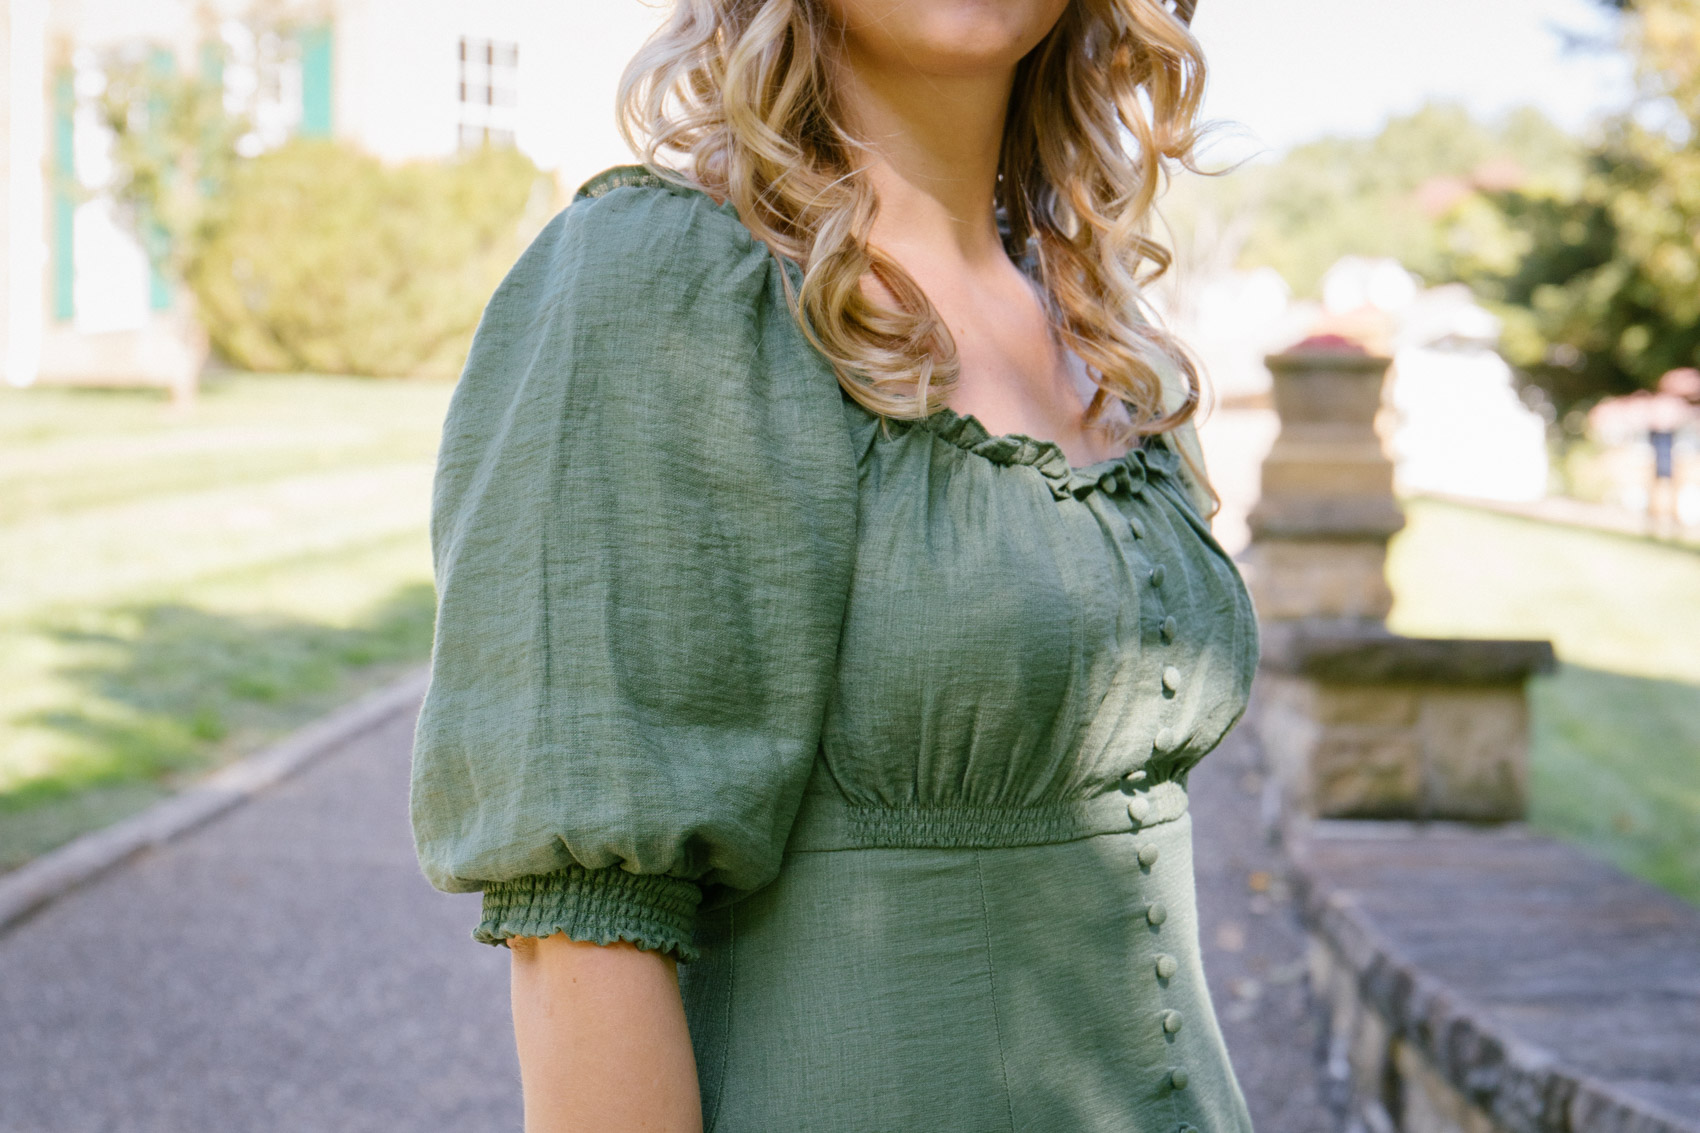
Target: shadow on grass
[1615, 768]
[167, 691]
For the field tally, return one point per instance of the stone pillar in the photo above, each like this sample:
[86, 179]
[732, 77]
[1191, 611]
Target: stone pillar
[1320, 529]
[1356, 721]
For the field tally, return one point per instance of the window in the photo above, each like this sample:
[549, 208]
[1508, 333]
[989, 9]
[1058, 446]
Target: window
[489, 91]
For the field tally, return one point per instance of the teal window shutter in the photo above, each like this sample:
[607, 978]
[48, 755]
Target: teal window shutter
[64, 212]
[316, 81]
[163, 63]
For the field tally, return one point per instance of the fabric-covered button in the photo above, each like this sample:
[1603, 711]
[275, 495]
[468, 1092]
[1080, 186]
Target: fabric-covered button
[1138, 807]
[1171, 678]
[1165, 739]
[1178, 1078]
[1171, 1021]
[1148, 855]
[1170, 628]
[1167, 966]
[1109, 482]
[1137, 776]
[1137, 526]
[1156, 913]
[1157, 573]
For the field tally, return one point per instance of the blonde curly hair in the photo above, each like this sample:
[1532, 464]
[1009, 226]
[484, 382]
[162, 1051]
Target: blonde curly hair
[733, 97]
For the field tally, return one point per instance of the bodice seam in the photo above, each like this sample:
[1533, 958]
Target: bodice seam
[827, 822]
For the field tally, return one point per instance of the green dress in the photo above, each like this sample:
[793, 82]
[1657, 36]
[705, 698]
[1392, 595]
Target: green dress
[884, 732]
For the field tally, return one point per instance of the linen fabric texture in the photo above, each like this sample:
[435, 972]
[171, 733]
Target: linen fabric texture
[881, 727]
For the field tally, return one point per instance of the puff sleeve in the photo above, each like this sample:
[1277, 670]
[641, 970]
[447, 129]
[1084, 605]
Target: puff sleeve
[642, 528]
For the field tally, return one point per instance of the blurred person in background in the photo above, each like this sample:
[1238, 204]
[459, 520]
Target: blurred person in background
[828, 609]
[1670, 408]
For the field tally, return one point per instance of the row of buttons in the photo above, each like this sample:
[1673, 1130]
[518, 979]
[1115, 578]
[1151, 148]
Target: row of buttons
[1139, 808]
[1168, 629]
[1166, 966]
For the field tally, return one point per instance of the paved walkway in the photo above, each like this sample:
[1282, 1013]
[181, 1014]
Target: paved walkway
[285, 968]
[1254, 949]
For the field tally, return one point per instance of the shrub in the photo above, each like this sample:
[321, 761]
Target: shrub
[320, 257]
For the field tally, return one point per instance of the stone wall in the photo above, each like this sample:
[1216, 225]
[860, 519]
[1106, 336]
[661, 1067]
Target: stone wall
[1488, 980]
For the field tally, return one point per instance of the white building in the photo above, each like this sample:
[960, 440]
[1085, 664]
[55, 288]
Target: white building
[1457, 424]
[403, 79]
[1453, 422]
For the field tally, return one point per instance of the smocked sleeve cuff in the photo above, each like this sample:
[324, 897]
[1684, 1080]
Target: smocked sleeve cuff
[599, 906]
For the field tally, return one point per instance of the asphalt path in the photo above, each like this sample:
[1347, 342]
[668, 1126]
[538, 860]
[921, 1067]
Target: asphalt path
[286, 968]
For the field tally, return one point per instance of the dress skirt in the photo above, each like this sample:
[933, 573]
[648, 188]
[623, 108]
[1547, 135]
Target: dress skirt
[1053, 988]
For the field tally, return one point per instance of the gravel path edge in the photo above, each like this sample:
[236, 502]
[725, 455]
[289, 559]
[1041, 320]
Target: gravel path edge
[30, 888]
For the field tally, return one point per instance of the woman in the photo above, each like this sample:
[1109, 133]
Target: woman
[828, 619]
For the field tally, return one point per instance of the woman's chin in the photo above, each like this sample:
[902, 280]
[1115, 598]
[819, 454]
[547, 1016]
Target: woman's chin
[948, 38]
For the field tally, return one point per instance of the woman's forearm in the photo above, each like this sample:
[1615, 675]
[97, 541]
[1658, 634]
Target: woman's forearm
[603, 1044]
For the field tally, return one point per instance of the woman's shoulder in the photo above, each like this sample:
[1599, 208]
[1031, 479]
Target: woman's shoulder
[642, 252]
[631, 221]
[631, 177]
[647, 306]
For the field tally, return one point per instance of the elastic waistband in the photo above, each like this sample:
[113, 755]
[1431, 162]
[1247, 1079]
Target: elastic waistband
[829, 822]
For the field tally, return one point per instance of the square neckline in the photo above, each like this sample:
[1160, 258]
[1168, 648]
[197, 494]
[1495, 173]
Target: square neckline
[1004, 448]
[1019, 445]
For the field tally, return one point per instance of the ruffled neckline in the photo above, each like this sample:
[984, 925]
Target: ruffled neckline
[1127, 472]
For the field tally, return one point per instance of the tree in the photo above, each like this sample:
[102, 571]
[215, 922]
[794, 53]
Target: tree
[1599, 284]
[178, 132]
[1385, 195]
[174, 146]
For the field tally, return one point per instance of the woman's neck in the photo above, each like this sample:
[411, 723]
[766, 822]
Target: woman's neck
[933, 143]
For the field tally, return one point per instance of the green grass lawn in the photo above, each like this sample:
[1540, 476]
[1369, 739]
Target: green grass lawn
[1615, 760]
[178, 588]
